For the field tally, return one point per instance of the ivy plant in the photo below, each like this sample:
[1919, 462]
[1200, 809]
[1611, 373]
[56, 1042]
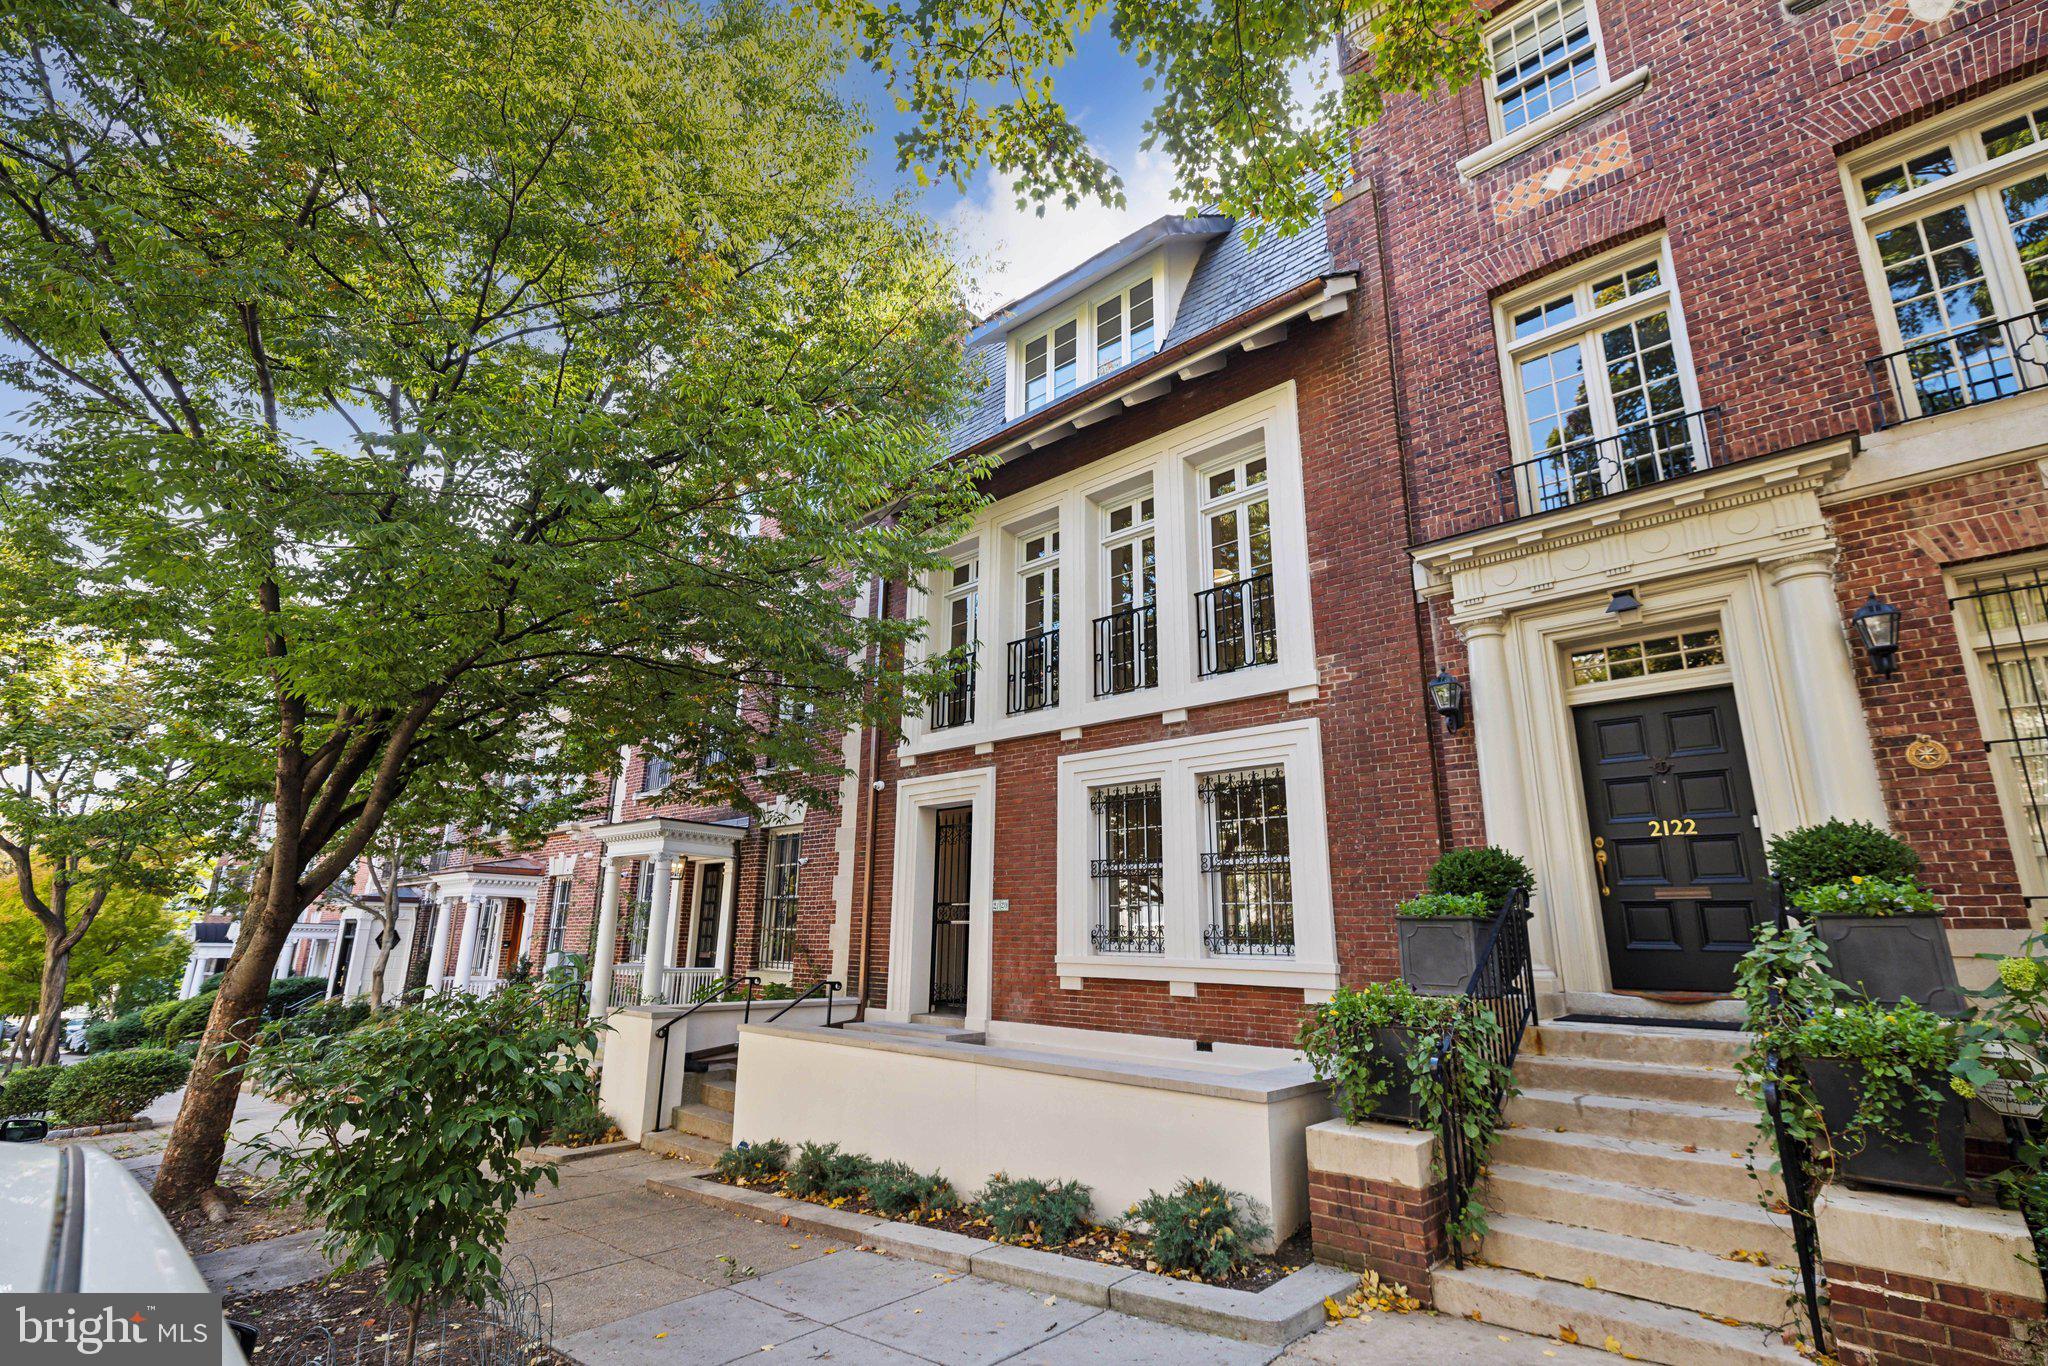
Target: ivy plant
[1445, 906]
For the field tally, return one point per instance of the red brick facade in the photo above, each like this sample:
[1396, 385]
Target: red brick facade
[1882, 1317]
[1394, 1230]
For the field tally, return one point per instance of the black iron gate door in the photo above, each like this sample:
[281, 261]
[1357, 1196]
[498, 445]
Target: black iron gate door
[952, 851]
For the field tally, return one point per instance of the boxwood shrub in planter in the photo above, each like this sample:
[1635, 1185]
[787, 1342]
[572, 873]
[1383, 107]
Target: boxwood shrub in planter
[1487, 871]
[1885, 938]
[1889, 1113]
[1441, 936]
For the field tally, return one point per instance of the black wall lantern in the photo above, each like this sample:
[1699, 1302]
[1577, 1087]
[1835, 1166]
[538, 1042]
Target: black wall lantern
[1447, 695]
[1877, 626]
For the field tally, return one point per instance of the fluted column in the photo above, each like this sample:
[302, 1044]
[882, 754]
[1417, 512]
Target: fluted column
[661, 929]
[1835, 752]
[1495, 736]
[605, 947]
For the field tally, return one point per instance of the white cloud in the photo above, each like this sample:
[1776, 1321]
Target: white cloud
[1007, 252]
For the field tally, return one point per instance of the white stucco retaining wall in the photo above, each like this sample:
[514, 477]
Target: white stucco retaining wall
[969, 1111]
[636, 1090]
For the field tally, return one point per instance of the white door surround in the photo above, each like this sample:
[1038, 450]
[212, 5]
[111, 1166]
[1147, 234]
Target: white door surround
[1744, 548]
[918, 800]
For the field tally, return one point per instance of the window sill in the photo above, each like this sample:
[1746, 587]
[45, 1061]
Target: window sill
[1594, 104]
[1240, 972]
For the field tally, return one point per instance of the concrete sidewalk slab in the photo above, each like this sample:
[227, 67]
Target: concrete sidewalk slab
[834, 1289]
[1126, 1341]
[970, 1322]
[704, 1331]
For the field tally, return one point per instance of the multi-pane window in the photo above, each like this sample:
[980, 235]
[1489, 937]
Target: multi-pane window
[1034, 664]
[1234, 616]
[1040, 581]
[1542, 59]
[1125, 657]
[1955, 236]
[2003, 618]
[778, 901]
[483, 959]
[1066, 358]
[1600, 385]
[1663, 654]
[655, 773]
[1251, 883]
[1037, 387]
[1126, 870]
[1104, 336]
[641, 912]
[558, 914]
[959, 630]
[1124, 330]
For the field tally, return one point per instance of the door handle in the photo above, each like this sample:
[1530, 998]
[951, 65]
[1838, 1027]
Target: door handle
[1600, 859]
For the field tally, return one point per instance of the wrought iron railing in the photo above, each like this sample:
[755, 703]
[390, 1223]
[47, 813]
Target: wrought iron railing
[1961, 368]
[1126, 657]
[826, 985]
[1234, 626]
[1251, 910]
[1035, 671]
[1503, 990]
[1794, 1169]
[955, 706]
[1641, 454]
[715, 990]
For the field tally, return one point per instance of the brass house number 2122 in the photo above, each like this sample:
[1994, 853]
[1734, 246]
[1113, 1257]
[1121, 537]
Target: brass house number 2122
[1685, 825]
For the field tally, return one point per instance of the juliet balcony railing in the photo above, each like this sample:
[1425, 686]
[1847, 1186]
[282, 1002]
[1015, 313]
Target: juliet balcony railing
[1641, 454]
[1234, 626]
[1126, 657]
[1962, 368]
[955, 706]
[1035, 671]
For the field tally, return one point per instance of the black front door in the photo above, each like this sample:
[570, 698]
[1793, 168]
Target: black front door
[710, 902]
[952, 850]
[1675, 840]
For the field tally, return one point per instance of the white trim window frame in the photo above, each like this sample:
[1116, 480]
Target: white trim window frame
[1292, 751]
[1234, 517]
[558, 914]
[485, 948]
[1031, 663]
[1038, 580]
[1127, 644]
[656, 773]
[781, 879]
[1952, 234]
[1108, 329]
[1542, 57]
[2001, 620]
[1598, 380]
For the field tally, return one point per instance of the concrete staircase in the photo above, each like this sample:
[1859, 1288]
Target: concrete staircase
[1619, 1197]
[700, 1128]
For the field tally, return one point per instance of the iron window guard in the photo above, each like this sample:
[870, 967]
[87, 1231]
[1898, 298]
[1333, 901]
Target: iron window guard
[1126, 654]
[1034, 675]
[1234, 626]
[1641, 454]
[1961, 368]
[1251, 890]
[2009, 639]
[955, 706]
[1129, 907]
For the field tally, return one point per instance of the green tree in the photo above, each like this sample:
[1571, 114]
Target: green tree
[420, 381]
[981, 76]
[137, 942]
[408, 1131]
[94, 799]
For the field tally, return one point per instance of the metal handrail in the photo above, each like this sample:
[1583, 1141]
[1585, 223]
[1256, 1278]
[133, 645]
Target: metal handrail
[1792, 1160]
[1643, 453]
[1504, 974]
[1961, 368]
[712, 991]
[810, 991]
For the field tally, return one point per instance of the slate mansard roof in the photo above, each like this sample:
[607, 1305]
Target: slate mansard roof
[1231, 279]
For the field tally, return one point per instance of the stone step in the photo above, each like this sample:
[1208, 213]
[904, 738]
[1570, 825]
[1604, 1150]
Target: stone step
[718, 1090]
[1687, 1278]
[1649, 1043]
[1695, 1221]
[1647, 1081]
[1711, 1171]
[1667, 1121]
[918, 1029]
[1638, 1328]
[703, 1121]
[698, 1153]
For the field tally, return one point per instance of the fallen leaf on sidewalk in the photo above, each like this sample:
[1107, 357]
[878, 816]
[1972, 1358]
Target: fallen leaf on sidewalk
[1567, 1334]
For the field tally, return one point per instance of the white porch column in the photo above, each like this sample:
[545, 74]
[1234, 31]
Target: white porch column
[661, 928]
[1840, 769]
[605, 946]
[1495, 735]
[439, 953]
[477, 910]
[726, 903]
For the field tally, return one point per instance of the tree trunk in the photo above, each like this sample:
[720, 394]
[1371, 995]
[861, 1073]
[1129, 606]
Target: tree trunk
[198, 1141]
[50, 1008]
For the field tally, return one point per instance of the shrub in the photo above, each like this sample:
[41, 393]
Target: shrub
[583, 1126]
[753, 1161]
[820, 1169]
[114, 1087]
[1835, 851]
[1445, 906]
[26, 1090]
[157, 1018]
[325, 1019]
[187, 1020]
[898, 1189]
[1864, 896]
[1486, 871]
[123, 1031]
[1046, 1212]
[287, 992]
[1201, 1228]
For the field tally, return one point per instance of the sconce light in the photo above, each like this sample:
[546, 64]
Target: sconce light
[1624, 600]
[1447, 696]
[1877, 626]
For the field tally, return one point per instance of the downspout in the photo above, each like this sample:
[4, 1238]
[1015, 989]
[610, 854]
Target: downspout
[878, 600]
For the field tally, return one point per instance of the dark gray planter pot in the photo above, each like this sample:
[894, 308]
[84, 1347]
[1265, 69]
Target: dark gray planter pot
[1389, 1062]
[1438, 954]
[1893, 958]
[1928, 1159]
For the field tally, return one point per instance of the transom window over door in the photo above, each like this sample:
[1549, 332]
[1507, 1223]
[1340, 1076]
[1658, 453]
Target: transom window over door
[1126, 657]
[1542, 59]
[1600, 386]
[1251, 885]
[1955, 240]
[1234, 616]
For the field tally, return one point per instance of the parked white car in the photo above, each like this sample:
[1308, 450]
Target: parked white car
[77, 1222]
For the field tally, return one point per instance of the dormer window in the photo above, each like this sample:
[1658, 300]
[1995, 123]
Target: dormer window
[1081, 347]
[1123, 328]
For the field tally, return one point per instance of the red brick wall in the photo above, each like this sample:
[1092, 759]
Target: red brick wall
[1365, 1225]
[1881, 1317]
